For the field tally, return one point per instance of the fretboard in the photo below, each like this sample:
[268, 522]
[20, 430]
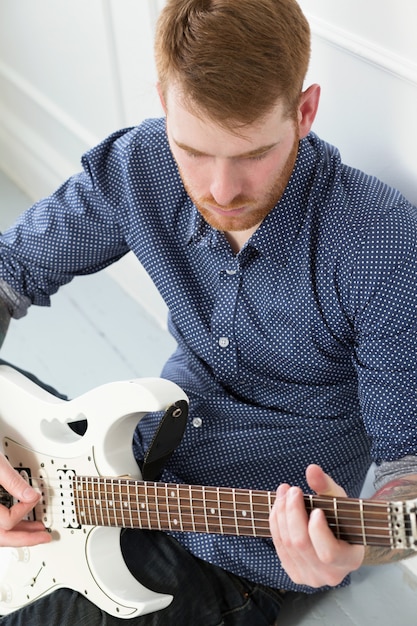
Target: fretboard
[127, 503]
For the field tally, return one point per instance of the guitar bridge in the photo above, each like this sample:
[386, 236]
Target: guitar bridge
[404, 524]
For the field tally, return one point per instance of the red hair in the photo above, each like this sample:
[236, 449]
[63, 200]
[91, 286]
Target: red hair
[233, 59]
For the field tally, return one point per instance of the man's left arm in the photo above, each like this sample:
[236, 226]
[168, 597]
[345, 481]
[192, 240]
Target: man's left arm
[306, 546]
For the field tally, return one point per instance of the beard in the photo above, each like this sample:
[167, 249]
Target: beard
[256, 209]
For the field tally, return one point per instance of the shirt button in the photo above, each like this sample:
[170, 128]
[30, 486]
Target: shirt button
[197, 422]
[231, 272]
[224, 342]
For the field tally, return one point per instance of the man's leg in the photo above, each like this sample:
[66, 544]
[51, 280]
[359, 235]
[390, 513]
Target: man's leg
[204, 594]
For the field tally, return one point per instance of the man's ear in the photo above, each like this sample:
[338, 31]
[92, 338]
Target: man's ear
[307, 109]
[161, 97]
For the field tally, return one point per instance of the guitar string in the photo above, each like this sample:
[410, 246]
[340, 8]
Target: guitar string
[112, 512]
[196, 523]
[345, 505]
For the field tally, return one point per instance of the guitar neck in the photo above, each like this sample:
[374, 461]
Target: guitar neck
[161, 506]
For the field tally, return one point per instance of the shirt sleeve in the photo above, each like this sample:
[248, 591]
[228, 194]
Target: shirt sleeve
[383, 310]
[390, 470]
[77, 230]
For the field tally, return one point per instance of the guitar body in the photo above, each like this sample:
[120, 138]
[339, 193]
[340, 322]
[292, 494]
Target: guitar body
[40, 445]
[91, 488]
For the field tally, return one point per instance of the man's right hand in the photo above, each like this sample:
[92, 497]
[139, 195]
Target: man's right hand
[15, 531]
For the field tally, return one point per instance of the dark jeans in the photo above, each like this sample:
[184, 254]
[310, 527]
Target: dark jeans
[204, 595]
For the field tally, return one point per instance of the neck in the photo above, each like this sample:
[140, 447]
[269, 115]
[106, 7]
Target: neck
[238, 238]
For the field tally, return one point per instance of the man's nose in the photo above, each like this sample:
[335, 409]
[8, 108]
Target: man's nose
[226, 183]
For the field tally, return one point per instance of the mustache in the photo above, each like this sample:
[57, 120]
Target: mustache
[236, 203]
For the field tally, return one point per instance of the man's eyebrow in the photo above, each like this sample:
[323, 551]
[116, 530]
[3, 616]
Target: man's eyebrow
[243, 155]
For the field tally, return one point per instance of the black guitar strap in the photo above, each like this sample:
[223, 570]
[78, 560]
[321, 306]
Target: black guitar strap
[167, 437]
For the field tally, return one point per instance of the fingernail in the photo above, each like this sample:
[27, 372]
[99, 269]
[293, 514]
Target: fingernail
[282, 490]
[29, 494]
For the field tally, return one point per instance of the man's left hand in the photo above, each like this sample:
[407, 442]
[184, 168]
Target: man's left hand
[309, 552]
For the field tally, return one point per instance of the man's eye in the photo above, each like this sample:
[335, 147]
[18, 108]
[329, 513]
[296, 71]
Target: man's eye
[258, 157]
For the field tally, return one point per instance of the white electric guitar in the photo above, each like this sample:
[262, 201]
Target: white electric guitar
[91, 488]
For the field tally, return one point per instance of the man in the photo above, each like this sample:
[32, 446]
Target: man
[291, 283]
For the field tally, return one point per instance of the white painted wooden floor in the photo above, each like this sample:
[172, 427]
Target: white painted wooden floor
[95, 333]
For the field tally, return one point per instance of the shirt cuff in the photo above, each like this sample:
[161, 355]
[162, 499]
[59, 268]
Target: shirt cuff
[17, 304]
[391, 470]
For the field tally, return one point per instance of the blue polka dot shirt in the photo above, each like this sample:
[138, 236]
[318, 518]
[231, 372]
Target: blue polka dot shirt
[299, 349]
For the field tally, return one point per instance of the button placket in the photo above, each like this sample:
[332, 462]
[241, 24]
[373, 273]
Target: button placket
[222, 328]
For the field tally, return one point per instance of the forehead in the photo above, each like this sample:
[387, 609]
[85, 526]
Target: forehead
[189, 126]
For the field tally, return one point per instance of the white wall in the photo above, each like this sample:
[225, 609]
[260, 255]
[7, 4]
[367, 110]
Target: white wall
[71, 72]
[364, 55]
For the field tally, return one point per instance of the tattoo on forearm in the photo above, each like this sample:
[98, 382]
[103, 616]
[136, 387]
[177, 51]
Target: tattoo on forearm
[404, 488]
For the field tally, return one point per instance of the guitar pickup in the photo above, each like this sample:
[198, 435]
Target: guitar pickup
[8, 500]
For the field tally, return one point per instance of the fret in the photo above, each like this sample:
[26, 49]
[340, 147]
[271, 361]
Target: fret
[128, 504]
[184, 508]
[110, 483]
[336, 517]
[215, 511]
[219, 508]
[179, 508]
[121, 502]
[175, 512]
[362, 522]
[200, 509]
[144, 504]
[205, 510]
[157, 508]
[190, 494]
[252, 510]
[262, 505]
[172, 511]
[270, 501]
[211, 510]
[310, 502]
[235, 513]
[106, 505]
[168, 511]
[92, 520]
[244, 512]
[95, 501]
[79, 500]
